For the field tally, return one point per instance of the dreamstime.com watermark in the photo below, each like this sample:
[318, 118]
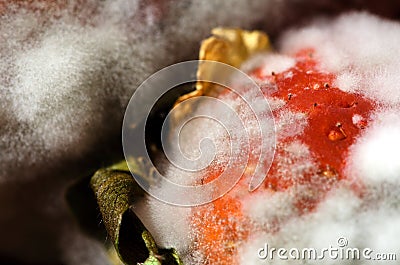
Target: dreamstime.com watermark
[237, 84]
[342, 251]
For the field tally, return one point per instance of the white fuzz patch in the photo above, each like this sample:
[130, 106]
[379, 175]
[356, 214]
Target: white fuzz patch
[269, 207]
[271, 63]
[174, 229]
[290, 123]
[341, 215]
[375, 156]
[67, 76]
[360, 48]
[275, 63]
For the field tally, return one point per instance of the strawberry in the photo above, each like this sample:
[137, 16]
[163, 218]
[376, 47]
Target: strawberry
[334, 120]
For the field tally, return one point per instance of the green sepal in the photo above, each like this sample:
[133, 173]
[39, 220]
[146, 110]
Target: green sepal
[116, 191]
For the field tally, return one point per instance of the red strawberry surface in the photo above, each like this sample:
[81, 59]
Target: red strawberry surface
[334, 120]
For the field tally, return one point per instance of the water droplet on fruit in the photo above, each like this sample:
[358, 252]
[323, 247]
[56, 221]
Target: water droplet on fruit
[335, 135]
[328, 172]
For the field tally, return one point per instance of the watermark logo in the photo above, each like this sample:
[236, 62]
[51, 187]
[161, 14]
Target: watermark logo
[342, 251]
[250, 99]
